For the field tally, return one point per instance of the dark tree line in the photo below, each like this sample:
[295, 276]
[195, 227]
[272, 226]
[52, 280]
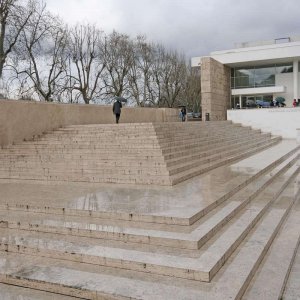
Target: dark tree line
[41, 58]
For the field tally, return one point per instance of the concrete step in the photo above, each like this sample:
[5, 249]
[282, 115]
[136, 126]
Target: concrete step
[211, 151]
[291, 290]
[276, 266]
[94, 282]
[201, 232]
[228, 152]
[92, 178]
[195, 171]
[169, 152]
[205, 167]
[206, 142]
[95, 141]
[94, 162]
[227, 181]
[11, 292]
[202, 268]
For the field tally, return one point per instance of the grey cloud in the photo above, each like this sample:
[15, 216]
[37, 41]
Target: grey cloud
[195, 27]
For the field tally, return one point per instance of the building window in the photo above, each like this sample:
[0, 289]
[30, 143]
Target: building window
[260, 76]
[284, 68]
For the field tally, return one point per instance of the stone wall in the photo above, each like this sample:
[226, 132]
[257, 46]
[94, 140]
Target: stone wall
[278, 121]
[21, 120]
[215, 89]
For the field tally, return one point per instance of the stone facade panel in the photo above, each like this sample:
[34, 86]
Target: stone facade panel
[215, 86]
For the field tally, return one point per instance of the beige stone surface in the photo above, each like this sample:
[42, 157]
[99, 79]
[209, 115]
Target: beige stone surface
[91, 282]
[181, 204]
[292, 290]
[215, 89]
[205, 238]
[10, 292]
[23, 119]
[278, 262]
[147, 153]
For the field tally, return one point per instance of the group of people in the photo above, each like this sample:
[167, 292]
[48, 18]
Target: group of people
[276, 103]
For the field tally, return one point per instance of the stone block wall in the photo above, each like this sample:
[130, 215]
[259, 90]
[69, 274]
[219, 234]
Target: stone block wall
[22, 119]
[215, 89]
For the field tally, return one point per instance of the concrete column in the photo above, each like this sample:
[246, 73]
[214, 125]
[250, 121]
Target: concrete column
[240, 98]
[295, 76]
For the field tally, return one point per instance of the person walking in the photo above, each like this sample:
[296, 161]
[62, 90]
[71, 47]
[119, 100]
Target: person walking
[183, 114]
[117, 110]
[294, 103]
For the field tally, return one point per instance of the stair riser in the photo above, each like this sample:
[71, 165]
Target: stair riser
[220, 163]
[215, 157]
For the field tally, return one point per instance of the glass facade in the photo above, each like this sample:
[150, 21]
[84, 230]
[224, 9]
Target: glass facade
[246, 100]
[260, 76]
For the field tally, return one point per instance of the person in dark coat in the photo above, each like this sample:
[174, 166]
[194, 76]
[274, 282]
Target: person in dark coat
[117, 110]
[183, 114]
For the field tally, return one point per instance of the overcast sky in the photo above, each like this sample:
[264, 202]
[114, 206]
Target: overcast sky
[195, 27]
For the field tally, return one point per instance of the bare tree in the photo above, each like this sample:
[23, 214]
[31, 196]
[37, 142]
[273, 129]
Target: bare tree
[191, 93]
[169, 75]
[86, 50]
[119, 58]
[140, 73]
[40, 62]
[14, 16]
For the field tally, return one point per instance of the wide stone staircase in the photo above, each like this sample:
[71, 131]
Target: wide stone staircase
[160, 154]
[229, 230]
[230, 233]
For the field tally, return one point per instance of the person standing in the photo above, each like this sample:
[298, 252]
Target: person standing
[294, 103]
[117, 110]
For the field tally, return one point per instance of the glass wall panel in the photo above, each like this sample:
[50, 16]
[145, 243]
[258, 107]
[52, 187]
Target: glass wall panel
[284, 68]
[265, 70]
[260, 76]
[242, 82]
[264, 80]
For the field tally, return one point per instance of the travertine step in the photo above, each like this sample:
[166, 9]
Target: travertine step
[91, 282]
[224, 182]
[95, 162]
[160, 154]
[11, 292]
[275, 268]
[192, 240]
[219, 136]
[118, 152]
[195, 171]
[209, 151]
[201, 268]
[83, 175]
[227, 153]
[292, 290]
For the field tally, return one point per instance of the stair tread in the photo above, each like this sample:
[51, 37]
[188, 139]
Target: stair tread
[277, 263]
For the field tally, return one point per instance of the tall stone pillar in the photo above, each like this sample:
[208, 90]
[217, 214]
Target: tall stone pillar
[215, 89]
[295, 76]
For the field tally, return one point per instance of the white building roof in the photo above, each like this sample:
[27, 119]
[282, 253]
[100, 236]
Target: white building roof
[262, 54]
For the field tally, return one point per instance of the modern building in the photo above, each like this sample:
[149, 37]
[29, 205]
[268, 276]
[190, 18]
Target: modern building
[252, 71]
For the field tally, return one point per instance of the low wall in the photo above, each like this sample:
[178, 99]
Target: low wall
[278, 121]
[21, 120]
